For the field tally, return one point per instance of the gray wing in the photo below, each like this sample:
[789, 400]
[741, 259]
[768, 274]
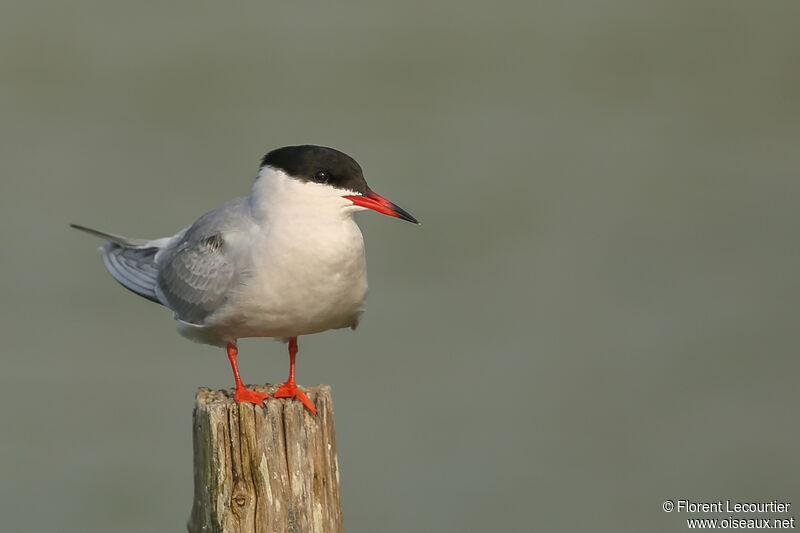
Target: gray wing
[197, 270]
[133, 268]
[130, 261]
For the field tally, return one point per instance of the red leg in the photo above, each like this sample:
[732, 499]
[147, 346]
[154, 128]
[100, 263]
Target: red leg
[243, 394]
[289, 389]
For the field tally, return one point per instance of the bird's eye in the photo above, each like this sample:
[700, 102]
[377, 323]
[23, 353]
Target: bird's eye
[322, 177]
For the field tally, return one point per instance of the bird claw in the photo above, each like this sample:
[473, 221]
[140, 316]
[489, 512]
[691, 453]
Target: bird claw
[290, 390]
[243, 394]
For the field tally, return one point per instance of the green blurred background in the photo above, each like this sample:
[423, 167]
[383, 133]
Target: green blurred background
[599, 312]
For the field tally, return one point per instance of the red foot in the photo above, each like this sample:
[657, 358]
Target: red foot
[243, 394]
[290, 390]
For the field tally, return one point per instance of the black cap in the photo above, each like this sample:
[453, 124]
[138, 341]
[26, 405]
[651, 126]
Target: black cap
[318, 164]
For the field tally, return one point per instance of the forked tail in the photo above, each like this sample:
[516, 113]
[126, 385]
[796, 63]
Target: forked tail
[130, 261]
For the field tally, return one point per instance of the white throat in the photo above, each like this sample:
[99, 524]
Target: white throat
[276, 196]
[307, 260]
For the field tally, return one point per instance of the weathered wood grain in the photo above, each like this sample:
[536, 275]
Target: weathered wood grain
[265, 469]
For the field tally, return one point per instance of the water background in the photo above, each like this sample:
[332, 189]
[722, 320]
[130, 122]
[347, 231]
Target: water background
[599, 312]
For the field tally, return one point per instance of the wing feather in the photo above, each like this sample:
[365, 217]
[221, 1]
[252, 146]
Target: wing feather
[132, 267]
[130, 261]
[197, 271]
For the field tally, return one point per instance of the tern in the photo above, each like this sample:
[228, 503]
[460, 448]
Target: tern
[286, 261]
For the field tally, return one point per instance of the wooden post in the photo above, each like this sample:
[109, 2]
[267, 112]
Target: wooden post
[265, 469]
